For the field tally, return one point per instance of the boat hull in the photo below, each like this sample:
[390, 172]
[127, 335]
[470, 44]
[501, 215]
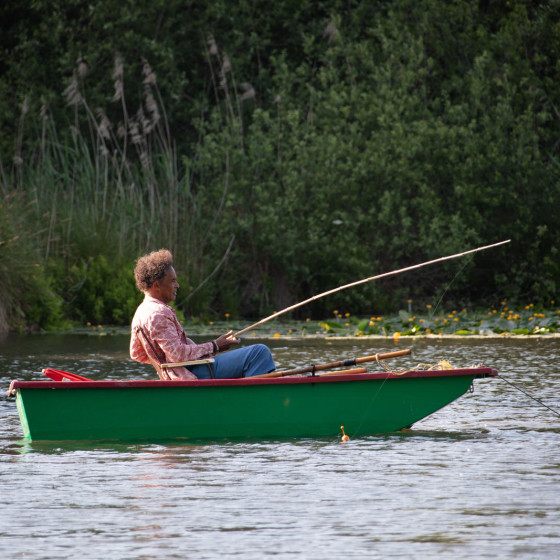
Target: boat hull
[259, 408]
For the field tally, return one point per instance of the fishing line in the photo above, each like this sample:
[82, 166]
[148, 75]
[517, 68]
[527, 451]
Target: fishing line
[528, 395]
[451, 283]
[363, 281]
[366, 413]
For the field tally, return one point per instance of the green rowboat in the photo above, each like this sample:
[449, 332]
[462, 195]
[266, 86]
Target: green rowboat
[312, 406]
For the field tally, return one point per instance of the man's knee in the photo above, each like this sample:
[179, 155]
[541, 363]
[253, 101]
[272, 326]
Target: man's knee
[261, 360]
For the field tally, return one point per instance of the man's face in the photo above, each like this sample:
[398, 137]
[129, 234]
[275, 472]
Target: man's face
[167, 286]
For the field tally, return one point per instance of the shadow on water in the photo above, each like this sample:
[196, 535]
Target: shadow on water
[532, 364]
[23, 446]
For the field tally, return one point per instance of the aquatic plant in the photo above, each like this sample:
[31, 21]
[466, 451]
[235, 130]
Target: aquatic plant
[506, 320]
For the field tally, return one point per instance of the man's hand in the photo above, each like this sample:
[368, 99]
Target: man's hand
[226, 341]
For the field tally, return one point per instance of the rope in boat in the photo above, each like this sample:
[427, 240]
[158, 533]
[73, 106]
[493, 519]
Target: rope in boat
[528, 395]
[441, 364]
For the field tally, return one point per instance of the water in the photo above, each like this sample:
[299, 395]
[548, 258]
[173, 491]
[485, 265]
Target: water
[478, 479]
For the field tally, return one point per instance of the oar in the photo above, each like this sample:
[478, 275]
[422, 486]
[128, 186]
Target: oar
[344, 371]
[291, 308]
[341, 363]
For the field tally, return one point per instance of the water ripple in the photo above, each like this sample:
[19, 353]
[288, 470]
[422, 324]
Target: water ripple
[478, 479]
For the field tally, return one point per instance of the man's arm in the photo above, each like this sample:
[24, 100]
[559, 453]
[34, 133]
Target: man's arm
[167, 334]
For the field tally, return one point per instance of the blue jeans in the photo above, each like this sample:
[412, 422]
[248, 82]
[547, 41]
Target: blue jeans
[241, 362]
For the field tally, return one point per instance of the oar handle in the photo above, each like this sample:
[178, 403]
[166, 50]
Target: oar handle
[341, 363]
[386, 356]
[344, 371]
[284, 374]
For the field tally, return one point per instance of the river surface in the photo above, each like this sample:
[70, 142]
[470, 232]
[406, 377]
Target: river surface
[478, 479]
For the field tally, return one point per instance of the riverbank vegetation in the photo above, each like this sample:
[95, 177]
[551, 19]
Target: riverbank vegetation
[505, 321]
[279, 151]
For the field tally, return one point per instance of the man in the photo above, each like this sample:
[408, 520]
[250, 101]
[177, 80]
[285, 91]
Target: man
[157, 336]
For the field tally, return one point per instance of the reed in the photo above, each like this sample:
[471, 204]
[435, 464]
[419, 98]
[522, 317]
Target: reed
[111, 187]
[104, 183]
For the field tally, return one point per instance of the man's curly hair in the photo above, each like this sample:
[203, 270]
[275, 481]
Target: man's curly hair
[152, 267]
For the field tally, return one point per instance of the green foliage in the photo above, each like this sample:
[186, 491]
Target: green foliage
[29, 299]
[282, 150]
[98, 292]
[505, 320]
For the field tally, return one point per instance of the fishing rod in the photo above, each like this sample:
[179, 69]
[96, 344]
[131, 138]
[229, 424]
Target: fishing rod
[341, 363]
[363, 281]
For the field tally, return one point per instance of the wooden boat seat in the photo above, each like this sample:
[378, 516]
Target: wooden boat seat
[186, 364]
[59, 375]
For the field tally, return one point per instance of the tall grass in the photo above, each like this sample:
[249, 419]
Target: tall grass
[102, 187]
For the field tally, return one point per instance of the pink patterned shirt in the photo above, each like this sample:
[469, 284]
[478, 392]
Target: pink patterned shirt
[159, 322]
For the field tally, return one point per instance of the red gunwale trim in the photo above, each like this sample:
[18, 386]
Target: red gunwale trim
[474, 372]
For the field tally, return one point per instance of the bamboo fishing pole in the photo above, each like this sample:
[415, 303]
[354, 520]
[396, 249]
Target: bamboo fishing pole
[340, 363]
[363, 281]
